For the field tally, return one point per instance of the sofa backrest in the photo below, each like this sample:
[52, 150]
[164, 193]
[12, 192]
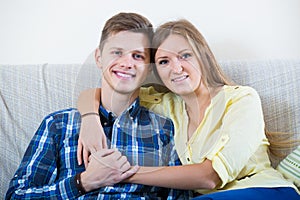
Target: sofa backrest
[30, 92]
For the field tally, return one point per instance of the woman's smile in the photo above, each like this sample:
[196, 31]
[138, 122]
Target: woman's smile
[180, 78]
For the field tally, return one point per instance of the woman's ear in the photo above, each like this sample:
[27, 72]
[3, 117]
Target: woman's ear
[98, 58]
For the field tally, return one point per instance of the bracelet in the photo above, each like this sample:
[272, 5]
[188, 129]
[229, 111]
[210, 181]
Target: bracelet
[90, 113]
[78, 183]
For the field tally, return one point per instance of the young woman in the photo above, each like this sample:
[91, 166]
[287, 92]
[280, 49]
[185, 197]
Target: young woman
[219, 127]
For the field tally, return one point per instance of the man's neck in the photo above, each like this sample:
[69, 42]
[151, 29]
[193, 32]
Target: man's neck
[116, 102]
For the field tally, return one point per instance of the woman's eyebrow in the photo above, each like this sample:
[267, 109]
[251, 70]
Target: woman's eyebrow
[183, 50]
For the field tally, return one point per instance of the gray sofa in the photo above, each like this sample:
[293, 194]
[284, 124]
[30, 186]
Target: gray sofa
[30, 92]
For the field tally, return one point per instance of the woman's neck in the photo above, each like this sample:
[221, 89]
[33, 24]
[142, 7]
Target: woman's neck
[198, 99]
[196, 104]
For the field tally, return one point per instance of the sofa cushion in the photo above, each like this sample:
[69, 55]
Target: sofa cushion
[290, 167]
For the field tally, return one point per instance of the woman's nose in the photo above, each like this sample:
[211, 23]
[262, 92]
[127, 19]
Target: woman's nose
[177, 66]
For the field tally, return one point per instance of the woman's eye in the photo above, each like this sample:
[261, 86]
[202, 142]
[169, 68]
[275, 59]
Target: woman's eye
[185, 56]
[163, 62]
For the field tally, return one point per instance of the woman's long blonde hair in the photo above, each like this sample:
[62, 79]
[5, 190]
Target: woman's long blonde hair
[213, 76]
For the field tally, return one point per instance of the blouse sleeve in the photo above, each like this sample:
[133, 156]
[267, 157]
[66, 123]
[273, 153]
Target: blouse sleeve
[242, 130]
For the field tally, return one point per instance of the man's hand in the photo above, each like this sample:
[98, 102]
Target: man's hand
[91, 138]
[106, 167]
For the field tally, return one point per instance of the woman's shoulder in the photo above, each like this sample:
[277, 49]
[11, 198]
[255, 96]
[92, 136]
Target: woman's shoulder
[157, 95]
[239, 90]
[160, 102]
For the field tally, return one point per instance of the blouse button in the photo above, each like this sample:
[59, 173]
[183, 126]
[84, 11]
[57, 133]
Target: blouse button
[188, 159]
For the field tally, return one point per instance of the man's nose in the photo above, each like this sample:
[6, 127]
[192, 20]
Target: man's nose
[126, 61]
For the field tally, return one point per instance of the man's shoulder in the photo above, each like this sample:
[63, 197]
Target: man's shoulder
[59, 124]
[63, 115]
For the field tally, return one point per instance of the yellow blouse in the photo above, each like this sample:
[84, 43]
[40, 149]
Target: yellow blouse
[231, 135]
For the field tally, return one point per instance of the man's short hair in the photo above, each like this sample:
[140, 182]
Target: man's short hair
[126, 22]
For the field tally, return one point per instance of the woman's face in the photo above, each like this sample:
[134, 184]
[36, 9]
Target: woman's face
[177, 65]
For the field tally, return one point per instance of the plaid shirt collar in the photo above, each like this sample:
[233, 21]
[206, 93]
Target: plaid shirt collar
[110, 117]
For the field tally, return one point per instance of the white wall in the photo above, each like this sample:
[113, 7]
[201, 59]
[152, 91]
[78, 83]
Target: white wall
[67, 31]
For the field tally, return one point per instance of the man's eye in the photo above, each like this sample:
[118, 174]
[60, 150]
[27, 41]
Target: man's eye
[138, 56]
[163, 62]
[185, 56]
[118, 53]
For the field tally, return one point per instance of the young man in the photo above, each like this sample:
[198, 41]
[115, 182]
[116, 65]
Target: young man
[49, 168]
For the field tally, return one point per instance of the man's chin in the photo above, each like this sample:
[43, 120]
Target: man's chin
[125, 90]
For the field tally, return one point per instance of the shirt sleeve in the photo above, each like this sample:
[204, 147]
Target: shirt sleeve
[173, 161]
[180, 194]
[36, 177]
[242, 133]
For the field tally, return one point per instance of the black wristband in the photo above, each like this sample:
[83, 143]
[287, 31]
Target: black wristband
[78, 184]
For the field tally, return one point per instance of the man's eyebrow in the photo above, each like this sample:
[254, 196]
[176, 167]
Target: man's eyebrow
[115, 48]
[145, 51]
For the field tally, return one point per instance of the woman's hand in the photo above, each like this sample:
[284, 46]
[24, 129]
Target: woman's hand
[107, 167]
[91, 138]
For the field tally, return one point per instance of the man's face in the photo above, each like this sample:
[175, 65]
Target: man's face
[124, 61]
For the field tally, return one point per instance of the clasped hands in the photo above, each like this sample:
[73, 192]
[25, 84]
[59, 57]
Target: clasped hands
[104, 167]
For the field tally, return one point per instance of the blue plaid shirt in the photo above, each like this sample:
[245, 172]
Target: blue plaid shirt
[49, 165]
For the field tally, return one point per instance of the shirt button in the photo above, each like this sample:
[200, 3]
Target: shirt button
[105, 123]
[118, 125]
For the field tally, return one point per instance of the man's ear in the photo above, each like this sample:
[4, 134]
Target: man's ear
[98, 58]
